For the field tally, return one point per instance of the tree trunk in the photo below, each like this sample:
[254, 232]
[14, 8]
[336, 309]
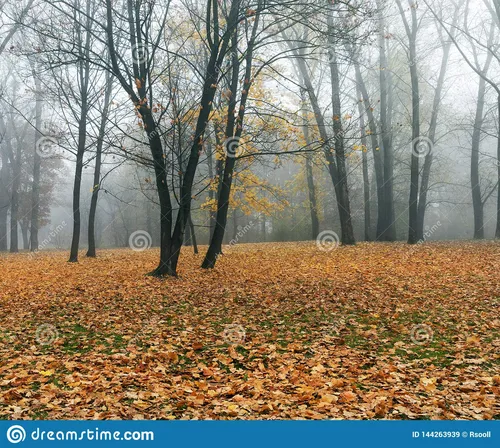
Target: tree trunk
[84, 82]
[387, 231]
[411, 33]
[24, 233]
[366, 179]
[426, 171]
[341, 184]
[209, 88]
[477, 200]
[232, 144]
[313, 207]
[193, 234]
[14, 201]
[35, 192]
[497, 232]
[4, 201]
[377, 158]
[97, 169]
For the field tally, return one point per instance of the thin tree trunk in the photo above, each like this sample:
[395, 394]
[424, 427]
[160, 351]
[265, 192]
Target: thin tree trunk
[366, 179]
[340, 192]
[84, 82]
[35, 193]
[24, 233]
[193, 234]
[477, 201]
[377, 158]
[97, 169]
[411, 33]
[387, 232]
[14, 201]
[426, 171]
[497, 232]
[341, 184]
[206, 107]
[215, 247]
[4, 201]
[313, 207]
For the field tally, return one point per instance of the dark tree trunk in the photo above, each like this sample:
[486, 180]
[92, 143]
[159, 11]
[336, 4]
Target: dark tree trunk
[311, 189]
[497, 232]
[341, 184]
[35, 193]
[209, 88]
[97, 169]
[313, 204]
[477, 200]
[411, 32]
[14, 201]
[366, 179]
[426, 171]
[4, 201]
[377, 158]
[193, 234]
[232, 144]
[84, 82]
[387, 229]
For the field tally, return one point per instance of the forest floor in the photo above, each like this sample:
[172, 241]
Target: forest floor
[276, 331]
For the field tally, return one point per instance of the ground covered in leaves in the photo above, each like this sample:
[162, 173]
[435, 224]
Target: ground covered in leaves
[277, 331]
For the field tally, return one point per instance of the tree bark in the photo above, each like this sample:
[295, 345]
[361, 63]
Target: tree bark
[35, 192]
[366, 179]
[387, 229]
[426, 171]
[311, 189]
[497, 232]
[84, 82]
[91, 252]
[477, 200]
[411, 33]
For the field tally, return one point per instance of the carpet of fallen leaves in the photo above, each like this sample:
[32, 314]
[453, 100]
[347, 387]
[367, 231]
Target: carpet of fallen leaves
[276, 331]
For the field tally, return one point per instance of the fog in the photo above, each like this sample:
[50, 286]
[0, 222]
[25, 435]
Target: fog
[373, 121]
